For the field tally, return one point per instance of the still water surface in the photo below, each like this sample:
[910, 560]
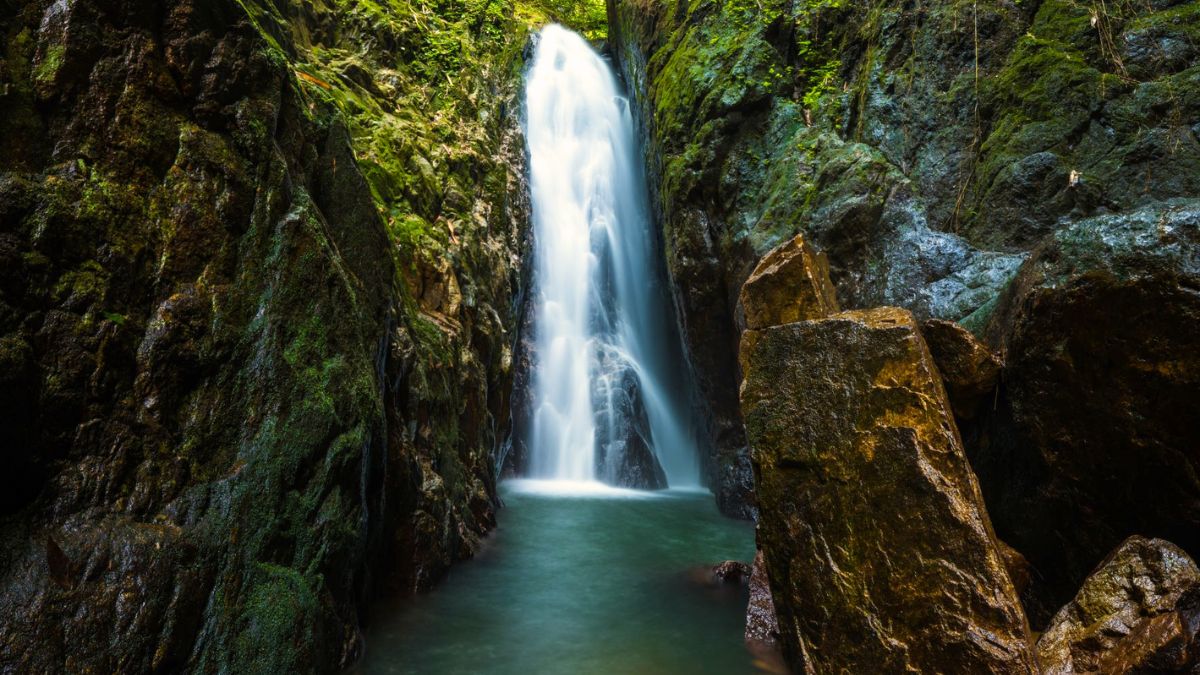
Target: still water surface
[579, 581]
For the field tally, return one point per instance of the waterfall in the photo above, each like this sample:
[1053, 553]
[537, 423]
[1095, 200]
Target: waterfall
[609, 382]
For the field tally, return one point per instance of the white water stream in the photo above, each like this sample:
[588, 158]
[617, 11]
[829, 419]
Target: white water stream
[606, 359]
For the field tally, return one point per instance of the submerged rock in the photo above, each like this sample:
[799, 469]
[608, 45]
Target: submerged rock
[732, 572]
[879, 552]
[1095, 437]
[791, 283]
[1139, 611]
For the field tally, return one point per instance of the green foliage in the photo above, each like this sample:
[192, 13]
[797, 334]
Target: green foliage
[588, 17]
[424, 112]
[816, 64]
[820, 80]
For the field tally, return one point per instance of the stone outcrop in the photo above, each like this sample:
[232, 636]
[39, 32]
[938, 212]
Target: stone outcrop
[878, 549]
[1094, 436]
[255, 324]
[1020, 572]
[924, 159]
[791, 283]
[1138, 612]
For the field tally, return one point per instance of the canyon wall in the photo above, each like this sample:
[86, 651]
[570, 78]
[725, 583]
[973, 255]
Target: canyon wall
[259, 263]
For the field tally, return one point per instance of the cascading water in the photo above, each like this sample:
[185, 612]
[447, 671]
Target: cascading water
[608, 381]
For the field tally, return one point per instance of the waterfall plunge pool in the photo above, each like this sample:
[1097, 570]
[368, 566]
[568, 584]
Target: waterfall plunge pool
[581, 577]
[579, 582]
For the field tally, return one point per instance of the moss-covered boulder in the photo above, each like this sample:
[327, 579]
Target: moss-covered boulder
[878, 549]
[1138, 612]
[1092, 438]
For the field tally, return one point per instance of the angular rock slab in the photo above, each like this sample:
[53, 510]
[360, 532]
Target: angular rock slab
[1139, 611]
[1096, 435]
[791, 283]
[969, 369]
[880, 555]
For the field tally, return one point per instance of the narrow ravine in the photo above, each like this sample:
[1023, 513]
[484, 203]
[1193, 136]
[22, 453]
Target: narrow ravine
[602, 559]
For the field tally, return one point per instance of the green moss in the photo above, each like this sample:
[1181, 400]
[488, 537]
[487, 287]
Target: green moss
[316, 371]
[83, 287]
[277, 616]
[49, 65]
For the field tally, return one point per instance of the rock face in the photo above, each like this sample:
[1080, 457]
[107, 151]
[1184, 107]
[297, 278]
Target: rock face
[969, 369]
[1095, 438]
[1139, 611]
[925, 160]
[791, 283]
[878, 549]
[254, 326]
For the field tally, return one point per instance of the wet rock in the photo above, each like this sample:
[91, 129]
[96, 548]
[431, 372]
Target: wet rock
[791, 283]
[631, 463]
[734, 483]
[1093, 438]
[225, 375]
[968, 368]
[879, 552]
[732, 572]
[624, 455]
[1139, 611]
[761, 624]
[767, 120]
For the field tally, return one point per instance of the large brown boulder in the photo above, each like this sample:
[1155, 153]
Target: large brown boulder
[791, 283]
[880, 555]
[1138, 612]
[1095, 435]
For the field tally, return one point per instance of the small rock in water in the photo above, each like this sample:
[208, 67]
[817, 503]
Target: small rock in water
[732, 572]
[721, 575]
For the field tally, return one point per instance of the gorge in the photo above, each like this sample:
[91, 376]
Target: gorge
[429, 336]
